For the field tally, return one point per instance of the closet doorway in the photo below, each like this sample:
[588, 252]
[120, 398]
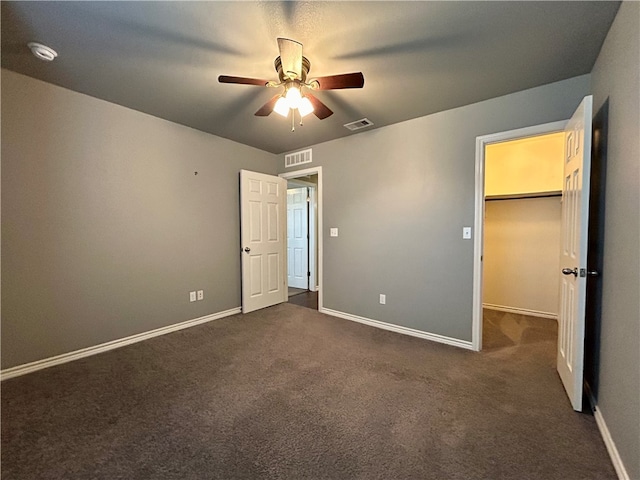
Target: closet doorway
[303, 239]
[574, 252]
[522, 233]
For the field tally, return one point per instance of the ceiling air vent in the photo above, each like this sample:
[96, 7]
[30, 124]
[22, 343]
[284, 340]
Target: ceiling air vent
[297, 158]
[358, 124]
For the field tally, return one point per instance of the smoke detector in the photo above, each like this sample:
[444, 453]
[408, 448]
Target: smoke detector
[42, 51]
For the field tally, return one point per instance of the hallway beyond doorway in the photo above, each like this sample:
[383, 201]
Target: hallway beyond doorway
[304, 299]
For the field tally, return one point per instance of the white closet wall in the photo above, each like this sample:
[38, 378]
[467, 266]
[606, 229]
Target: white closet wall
[521, 255]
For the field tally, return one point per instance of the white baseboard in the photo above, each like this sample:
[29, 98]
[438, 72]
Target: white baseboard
[611, 446]
[104, 347]
[520, 311]
[398, 329]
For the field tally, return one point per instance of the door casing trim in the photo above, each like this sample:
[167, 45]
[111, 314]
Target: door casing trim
[481, 143]
[319, 262]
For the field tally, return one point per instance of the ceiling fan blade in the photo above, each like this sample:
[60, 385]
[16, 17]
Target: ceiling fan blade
[346, 80]
[267, 108]
[242, 80]
[320, 110]
[291, 57]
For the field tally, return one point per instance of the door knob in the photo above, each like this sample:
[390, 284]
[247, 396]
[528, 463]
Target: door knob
[247, 249]
[568, 271]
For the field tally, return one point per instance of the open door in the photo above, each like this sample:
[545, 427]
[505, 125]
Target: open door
[297, 238]
[573, 254]
[262, 234]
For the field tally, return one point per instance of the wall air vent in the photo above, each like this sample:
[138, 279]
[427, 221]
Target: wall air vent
[358, 124]
[297, 158]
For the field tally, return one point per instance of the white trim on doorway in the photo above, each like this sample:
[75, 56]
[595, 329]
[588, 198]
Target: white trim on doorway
[481, 143]
[313, 235]
[303, 173]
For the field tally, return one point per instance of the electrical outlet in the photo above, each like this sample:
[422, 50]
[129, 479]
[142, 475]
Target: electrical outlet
[192, 296]
[383, 299]
[200, 294]
[333, 232]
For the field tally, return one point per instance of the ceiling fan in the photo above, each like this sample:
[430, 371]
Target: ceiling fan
[293, 69]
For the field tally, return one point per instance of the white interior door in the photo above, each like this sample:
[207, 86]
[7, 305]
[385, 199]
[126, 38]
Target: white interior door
[573, 255]
[297, 238]
[262, 235]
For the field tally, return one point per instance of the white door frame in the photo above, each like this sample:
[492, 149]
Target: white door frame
[313, 234]
[304, 173]
[478, 247]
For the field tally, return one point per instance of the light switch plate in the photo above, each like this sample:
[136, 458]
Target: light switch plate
[192, 296]
[383, 299]
[333, 232]
[466, 233]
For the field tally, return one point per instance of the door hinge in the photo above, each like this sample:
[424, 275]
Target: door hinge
[308, 274]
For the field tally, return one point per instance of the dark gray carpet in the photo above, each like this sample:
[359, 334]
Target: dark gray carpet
[289, 393]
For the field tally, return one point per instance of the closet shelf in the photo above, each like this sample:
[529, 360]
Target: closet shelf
[518, 196]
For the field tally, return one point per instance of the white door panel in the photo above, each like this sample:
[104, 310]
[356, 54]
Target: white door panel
[297, 237]
[262, 200]
[573, 256]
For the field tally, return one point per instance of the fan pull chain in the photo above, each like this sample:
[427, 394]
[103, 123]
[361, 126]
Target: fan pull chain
[293, 119]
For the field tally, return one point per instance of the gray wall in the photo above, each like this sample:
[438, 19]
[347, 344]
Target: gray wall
[400, 196]
[616, 77]
[105, 226]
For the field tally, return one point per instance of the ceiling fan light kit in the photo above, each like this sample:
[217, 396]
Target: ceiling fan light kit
[305, 107]
[281, 107]
[292, 99]
[293, 68]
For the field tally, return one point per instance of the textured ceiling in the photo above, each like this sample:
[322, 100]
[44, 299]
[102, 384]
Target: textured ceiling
[163, 58]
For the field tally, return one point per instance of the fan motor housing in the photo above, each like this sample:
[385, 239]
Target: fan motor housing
[306, 67]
